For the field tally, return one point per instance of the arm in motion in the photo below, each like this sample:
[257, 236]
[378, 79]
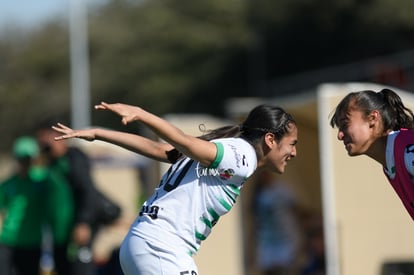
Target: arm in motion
[193, 147]
[135, 143]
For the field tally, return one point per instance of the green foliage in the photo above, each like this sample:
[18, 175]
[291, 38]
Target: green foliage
[33, 80]
[164, 50]
[190, 56]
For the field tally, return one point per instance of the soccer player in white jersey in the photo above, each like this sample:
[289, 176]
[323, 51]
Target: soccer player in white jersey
[202, 184]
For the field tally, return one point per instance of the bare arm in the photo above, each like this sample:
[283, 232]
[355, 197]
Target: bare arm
[135, 143]
[193, 147]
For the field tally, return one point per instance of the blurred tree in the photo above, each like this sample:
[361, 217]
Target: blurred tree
[34, 80]
[303, 35]
[190, 56]
[164, 54]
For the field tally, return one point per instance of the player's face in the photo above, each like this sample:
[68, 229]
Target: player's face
[355, 131]
[284, 150]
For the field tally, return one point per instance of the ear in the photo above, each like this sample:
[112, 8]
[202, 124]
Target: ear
[269, 139]
[374, 118]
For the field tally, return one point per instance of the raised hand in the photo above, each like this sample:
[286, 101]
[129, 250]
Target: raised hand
[128, 113]
[87, 134]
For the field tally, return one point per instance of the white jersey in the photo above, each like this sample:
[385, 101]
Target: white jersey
[190, 198]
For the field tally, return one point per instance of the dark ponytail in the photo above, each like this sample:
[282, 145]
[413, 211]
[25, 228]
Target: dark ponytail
[396, 115]
[261, 120]
[393, 112]
[222, 132]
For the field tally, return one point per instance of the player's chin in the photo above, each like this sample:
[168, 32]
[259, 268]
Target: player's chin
[281, 168]
[353, 153]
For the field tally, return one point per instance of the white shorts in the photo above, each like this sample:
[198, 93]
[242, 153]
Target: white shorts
[139, 257]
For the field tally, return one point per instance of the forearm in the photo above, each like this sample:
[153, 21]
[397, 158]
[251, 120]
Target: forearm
[195, 148]
[190, 146]
[135, 143]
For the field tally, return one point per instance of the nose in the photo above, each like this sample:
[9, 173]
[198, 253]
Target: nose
[294, 152]
[340, 135]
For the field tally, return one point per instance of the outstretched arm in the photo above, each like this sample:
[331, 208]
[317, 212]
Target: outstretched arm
[193, 147]
[138, 144]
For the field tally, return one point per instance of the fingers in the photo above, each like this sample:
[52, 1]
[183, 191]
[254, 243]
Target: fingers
[63, 129]
[103, 106]
[63, 137]
[63, 126]
[116, 108]
[121, 109]
[99, 107]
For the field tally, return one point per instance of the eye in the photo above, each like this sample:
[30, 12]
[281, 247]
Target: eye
[343, 123]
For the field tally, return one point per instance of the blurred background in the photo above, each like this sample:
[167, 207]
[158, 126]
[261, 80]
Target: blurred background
[59, 58]
[186, 56]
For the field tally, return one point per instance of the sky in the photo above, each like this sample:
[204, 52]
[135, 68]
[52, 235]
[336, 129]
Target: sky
[33, 13]
[28, 13]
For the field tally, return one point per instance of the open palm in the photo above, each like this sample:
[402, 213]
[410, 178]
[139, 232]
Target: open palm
[87, 134]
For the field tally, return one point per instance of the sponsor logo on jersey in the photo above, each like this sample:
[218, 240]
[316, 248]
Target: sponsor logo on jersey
[223, 173]
[236, 155]
[150, 210]
[226, 174]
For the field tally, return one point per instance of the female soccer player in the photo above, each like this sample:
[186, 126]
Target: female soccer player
[377, 124]
[201, 185]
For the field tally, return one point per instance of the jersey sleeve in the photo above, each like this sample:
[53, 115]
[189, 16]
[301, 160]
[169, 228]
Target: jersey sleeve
[235, 159]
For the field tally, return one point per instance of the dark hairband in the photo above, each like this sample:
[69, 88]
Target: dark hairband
[267, 130]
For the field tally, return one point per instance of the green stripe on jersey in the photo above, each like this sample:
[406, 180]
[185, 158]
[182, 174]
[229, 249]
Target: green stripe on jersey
[230, 195]
[200, 236]
[214, 215]
[225, 204]
[219, 156]
[207, 222]
[235, 189]
[234, 194]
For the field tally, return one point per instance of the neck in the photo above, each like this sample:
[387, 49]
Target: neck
[377, 150]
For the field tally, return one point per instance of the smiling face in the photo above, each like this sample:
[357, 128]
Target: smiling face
[356, 131]
[282, 151]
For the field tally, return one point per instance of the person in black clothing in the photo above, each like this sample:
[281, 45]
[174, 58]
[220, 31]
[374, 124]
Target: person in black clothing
[72, 256]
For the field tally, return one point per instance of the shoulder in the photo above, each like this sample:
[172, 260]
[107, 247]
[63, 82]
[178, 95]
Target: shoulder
[235, 146]
[234, 150]
[400, 140]
[402, 134]
[400, 145]
[74, 153]
[239, 142]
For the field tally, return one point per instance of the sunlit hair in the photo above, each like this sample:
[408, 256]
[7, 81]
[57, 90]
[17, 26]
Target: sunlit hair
[261, 120]
[393, 112]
